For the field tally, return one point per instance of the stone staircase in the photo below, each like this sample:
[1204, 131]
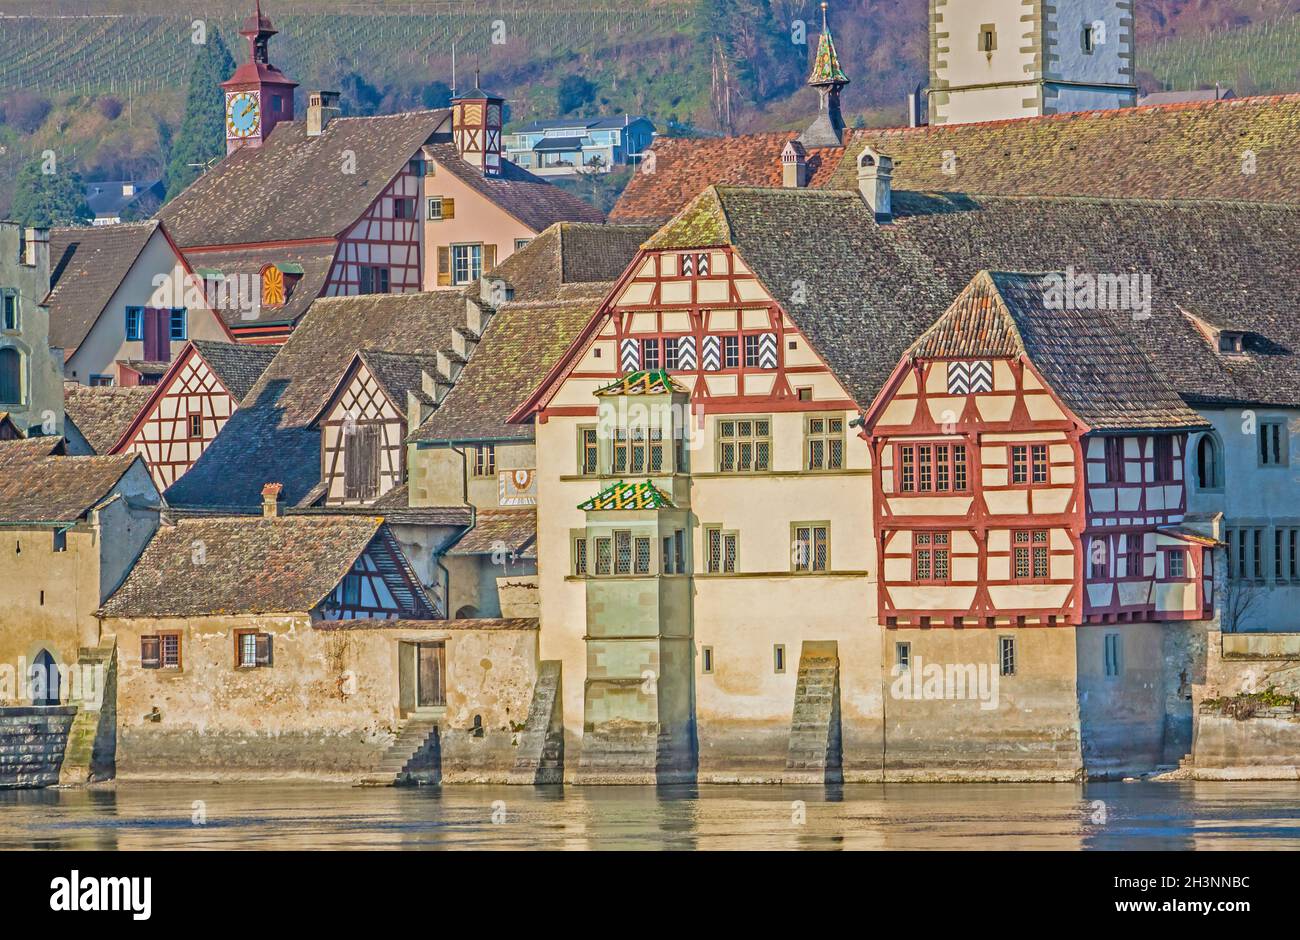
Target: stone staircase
[33, 739]
[816, 753]
[92, 740]
[414, 759]
[541, 744]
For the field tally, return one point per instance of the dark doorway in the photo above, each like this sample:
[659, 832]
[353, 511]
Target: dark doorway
[43, 679]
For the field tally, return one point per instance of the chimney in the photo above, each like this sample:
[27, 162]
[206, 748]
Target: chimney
[36, 248]
[874, 173]
[794, 166]
[915, 108]
[322, 107]
[271, 500]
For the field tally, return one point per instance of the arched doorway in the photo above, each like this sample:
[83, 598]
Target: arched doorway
[43, 679]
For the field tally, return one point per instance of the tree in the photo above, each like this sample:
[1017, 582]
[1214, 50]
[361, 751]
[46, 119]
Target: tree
[44, 199]
[202, 136]
[574, 92]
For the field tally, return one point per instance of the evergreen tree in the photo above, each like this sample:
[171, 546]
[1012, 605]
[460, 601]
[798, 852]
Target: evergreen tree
[203, 129]
[46, 199]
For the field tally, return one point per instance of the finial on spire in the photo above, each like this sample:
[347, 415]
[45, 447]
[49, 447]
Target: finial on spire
[826, 67]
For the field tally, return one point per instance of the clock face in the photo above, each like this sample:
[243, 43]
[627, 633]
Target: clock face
[243, 114]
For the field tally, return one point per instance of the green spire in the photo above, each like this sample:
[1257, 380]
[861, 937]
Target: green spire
[826, 69]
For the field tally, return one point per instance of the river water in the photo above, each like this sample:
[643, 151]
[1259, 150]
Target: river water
[1185, 815]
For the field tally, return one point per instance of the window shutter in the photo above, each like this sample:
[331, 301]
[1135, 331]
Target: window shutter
[489, 258]
[149, 652]
[264, 649]
[448, 208]
[444, 259]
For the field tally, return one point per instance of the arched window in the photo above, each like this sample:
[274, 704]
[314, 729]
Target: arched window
[1209, 463]
[11, 376]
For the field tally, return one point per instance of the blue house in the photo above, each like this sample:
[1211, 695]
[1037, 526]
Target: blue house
[579, 145]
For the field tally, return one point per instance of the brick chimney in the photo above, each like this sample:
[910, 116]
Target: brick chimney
[875, 171]
[322, 107]
[271, 500]
[794, 166]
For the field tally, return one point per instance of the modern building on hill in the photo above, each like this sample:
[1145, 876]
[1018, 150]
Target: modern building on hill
[567, 147]
[334, 206]
[112, 201]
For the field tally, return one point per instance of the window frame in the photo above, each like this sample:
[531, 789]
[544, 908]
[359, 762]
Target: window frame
[736, 439]
[731, 351]
[259, 662]
[931, 549]
[161, 662]
[902, 657]
[1032, 550]
[1280, 440]
[472, 274]
[134, 325]
[429, 204]
[1216, 470]
[811, 568]
[726, 559]
[178, 316]
[10, 302]
[483, 462]
[1115, 460]
[955, 469]
[1112, 655]
[1006, 655]
[190, 419]
[827, 438]
[588, 447]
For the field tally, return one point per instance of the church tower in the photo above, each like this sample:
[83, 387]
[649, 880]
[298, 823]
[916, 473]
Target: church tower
[258, 96]
[827, 130]
[999, 59]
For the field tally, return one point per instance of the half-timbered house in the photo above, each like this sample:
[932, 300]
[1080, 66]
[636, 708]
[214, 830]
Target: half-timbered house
[332, 206]
[190, 405]
[1030, 482]
[784, 312]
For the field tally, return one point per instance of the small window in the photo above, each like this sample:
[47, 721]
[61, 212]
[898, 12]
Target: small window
[988, 40]
[604, 555]
[177, 325]
[778, 658]
[1133, 556]
[580, 557]
[11, 376]
[622, 552]
[135, 323]
[679, 551]
[805, 394]
[752, 342]
[1114, 460]
[521, 243]
[641, 556]
[706, 659]
[9, 321]
[252, 649]
[160, 651]
[404, 208]
[1209, 463]
[720, 550]
[435, 209]
[1089, 40]
[1232, 343]
[1098, 552]
[650, 354]
[1006, 655]
[1030, 549]
[101, 381]
[903, 657]
[372, 279]
[1273, 444]
[1112, 649]
[1176, 564]
[931, 556]
[196, 426]
[1162, 451]
[671, 357]
[60, 540]
[744, 445]
[824, 443]
[812, 547]
[484, 462]
[730, 352]
[588, 451]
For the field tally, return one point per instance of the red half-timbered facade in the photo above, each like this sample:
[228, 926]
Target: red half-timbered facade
[190, 405]
[1029, 472]
[380, 252]
[381, 585]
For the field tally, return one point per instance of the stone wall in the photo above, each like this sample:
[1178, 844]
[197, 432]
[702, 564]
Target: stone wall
[32, 742]
[330, 705]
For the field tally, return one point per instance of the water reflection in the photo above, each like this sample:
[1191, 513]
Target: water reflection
[1190, 815]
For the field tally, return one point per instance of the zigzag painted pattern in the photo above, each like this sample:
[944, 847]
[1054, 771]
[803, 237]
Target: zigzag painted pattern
[981, 376]
[629, 357]
[767, 351]
[712, 353]
[686, 352]
[967, 378]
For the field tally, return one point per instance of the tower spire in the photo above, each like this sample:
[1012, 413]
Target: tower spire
[827, 130]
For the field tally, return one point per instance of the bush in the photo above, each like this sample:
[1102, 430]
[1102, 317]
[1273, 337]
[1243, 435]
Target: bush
[109, 107]
[26, 111]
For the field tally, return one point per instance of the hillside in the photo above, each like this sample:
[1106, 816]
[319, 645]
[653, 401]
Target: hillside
[101, 82]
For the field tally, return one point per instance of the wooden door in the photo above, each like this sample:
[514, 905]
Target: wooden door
[430, 675]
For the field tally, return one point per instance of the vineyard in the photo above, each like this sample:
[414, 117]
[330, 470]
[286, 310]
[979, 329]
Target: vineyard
[1256, 59]
[136, 53]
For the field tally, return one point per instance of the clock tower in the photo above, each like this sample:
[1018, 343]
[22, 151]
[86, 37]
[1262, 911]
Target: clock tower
[258, 96]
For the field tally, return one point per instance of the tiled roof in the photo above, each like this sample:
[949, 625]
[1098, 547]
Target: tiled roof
[244, 565]
[870, 289]
[237, 365]
[571, 256]
[297, 187]
[270, 438]
[315, 260]
[508, 530]
[399, 373]
[683, 167]
[1085, 356]
[1191, 150]
[530, 199]
[38, 487]
[103, 413]
[87, 265]
[461, 623]
[518, 348]
[623, 495]
[646, 382]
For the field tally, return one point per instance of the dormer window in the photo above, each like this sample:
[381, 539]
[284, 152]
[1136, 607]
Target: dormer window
[1232, 342]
